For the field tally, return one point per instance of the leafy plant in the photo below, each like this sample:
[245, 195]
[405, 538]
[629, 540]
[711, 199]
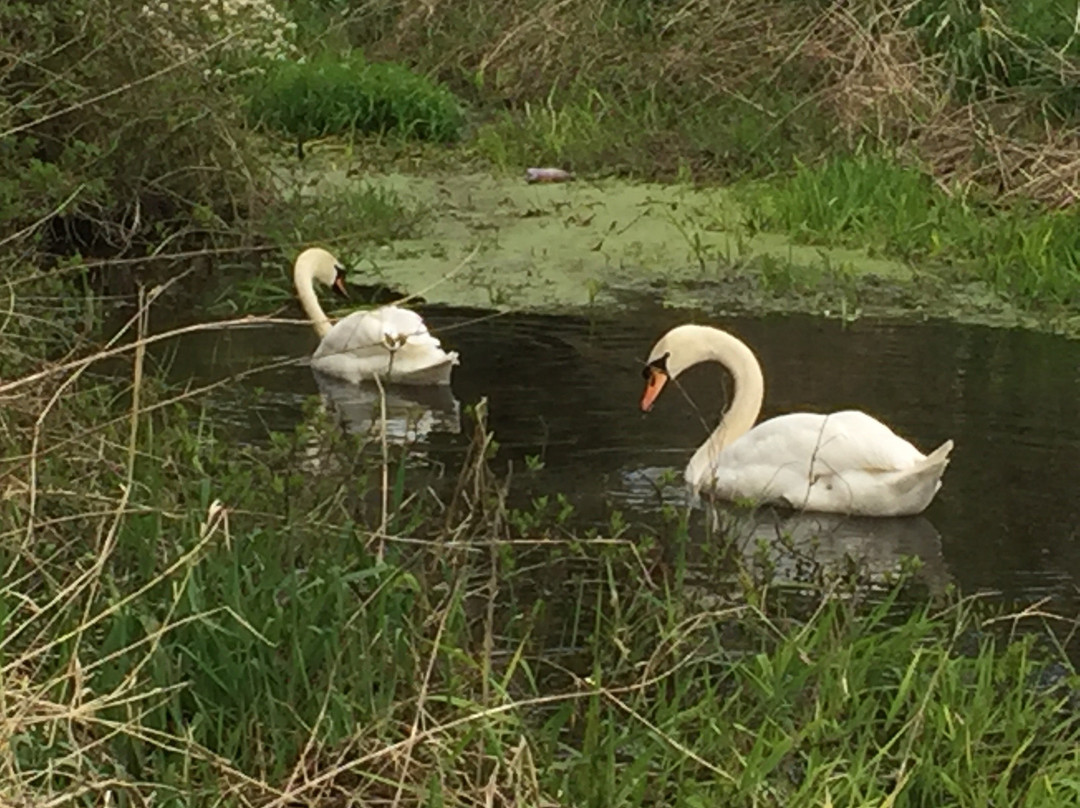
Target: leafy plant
[346, 95]
[110, 143]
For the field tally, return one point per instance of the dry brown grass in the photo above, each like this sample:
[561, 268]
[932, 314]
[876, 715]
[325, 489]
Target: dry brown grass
[880, 83]
[858, 67]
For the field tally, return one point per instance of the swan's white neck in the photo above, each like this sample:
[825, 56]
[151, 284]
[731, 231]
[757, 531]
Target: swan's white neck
[304, 278]
[704, 344]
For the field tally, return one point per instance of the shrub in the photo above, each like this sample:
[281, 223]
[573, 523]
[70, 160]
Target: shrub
[331, 95]
[109, 141]
[248, 33]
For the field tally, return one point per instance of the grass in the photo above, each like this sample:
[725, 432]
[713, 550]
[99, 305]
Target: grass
[320, 617]
[189, 619]
[647, 136]
[606, 87]
[994, 49]
[875, 201]
[348, 95]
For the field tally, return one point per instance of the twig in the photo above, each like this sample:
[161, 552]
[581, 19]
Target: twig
[421, 697]
[118, 90]
[240, 322]
[30, 228]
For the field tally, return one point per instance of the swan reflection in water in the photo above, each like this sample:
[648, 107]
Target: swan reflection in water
[794, 546]
[412, 413]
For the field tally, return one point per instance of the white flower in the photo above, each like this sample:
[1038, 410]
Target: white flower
[249, 27]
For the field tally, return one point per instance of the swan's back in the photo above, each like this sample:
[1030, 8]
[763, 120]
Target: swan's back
[390, 342]
[839, 440]
[846, 462]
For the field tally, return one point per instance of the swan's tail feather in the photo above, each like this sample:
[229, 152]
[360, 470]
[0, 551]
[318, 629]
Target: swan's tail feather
[915, 487]
[436, 372]
[931, 466]
[938, 457]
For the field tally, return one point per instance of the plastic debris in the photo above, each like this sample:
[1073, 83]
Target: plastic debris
[547, 175]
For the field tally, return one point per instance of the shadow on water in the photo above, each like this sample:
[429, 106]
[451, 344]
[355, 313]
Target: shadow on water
[566, 390]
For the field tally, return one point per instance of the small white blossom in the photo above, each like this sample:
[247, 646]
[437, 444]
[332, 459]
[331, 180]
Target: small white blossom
[253, 28]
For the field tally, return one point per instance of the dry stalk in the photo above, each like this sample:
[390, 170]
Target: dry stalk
[298, 794]
[109, 543]
[384, 470]
[425, 685]
[123, 88]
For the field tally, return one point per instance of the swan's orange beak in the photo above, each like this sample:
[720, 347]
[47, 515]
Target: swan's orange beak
[339, 286]
[654, 384]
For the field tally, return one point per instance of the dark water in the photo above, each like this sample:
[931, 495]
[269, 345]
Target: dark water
[1006, 520]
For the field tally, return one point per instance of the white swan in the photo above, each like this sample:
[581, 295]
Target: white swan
[845, 462]
[391, 343]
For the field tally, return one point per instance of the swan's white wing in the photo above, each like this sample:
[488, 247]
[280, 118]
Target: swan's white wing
[833, 443]
[389, 342]
[364, 333]
[842, 462]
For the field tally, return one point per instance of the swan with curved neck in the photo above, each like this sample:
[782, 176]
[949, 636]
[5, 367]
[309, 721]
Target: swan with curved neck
[389, 343]
[843, 462]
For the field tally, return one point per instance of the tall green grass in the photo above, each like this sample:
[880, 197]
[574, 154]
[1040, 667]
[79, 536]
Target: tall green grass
[993, 50]
[331, 94]
[652, 134]
[873, 200]
[186, 619]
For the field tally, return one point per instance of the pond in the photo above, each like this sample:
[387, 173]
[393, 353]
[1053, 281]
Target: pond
[566, 390]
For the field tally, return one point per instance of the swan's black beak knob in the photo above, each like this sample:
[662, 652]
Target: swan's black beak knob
[339, 283]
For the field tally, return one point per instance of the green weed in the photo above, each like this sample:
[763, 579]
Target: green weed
[874, 201]
[993, 50]
[345, 95]
[200, 619]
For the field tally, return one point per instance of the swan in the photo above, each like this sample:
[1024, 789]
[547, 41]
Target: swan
[844, 462]
[389, 342]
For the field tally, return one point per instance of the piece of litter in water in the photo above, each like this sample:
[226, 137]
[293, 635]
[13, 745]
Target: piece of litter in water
[547, 175]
